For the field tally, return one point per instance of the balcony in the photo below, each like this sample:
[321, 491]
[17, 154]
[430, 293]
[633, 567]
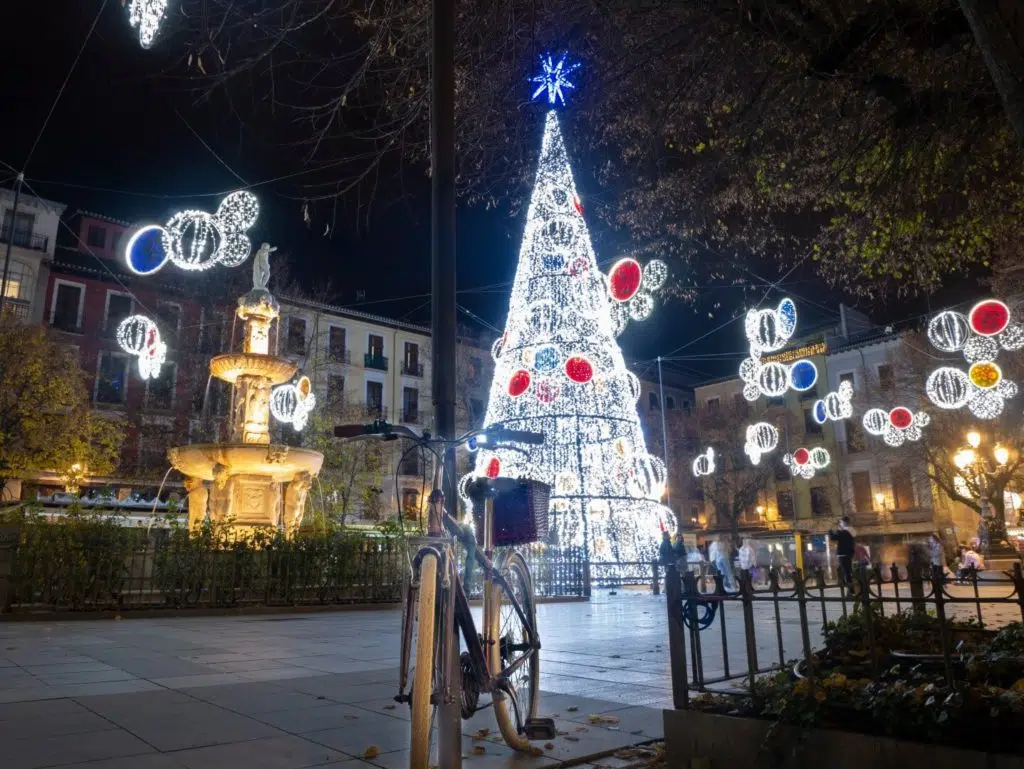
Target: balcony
[379, 362]
[341, 355]
[412, 368]
[24, 239]
[17, 309]
[376, 411]
[411, 416]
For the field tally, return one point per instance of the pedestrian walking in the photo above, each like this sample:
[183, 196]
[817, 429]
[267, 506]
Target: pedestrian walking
[747, 557]
[719, 555]
[666, 555]
[844, 537]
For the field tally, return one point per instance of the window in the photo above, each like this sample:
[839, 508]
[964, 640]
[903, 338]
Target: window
[862, 498]
[811, 426]
[886, 383]
[476, 369]
[295, 344]
[740, 404]
[670, 402]
[168, 318]
[336, 389]
[784, 502]
[854, 436]
[410, 404]
[848, 376]
[902, 488]
[476, 412]
[24, 223]
[96, 236]
[375, 346]
[112, 378]
[782, 471]
[160, 391]
[210, 334]
[411, 463]
[410, 502]
[374, 397]
[652, 402]
[713, 405]
[411, 364]
[119, 307]
[821, 505]
[66, 313]
[19, 281]
[336, 344]
[154, 439]
[115, 239]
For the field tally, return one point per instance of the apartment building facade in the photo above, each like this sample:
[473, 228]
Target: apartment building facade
[29, 233]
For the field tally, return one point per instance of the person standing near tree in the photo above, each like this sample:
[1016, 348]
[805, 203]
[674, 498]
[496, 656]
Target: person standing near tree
[845, 546]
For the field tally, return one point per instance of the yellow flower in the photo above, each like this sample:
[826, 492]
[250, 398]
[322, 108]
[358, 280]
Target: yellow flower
[1018, 685]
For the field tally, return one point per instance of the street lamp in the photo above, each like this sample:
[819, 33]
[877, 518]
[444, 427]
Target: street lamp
[976, 465]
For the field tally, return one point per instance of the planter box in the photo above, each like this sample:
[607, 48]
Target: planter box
[726, 742]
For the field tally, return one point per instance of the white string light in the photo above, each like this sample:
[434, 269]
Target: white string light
[140, 336]
[762, 437]
[630, 287]
[979, 335]
[146, 16]
[704, 464]
[292, 403]
[197, 240]
[835, 405]
[896, 425]
[804, 463]
[769, 331]
[559, 371]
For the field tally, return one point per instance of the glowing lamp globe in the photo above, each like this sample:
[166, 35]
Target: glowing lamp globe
[801, 456]
[519, 383]
[984, 374]
[990, 317]
[901, 418]
[144, 252]
[624, 279]
[579, 369]
[802, 375]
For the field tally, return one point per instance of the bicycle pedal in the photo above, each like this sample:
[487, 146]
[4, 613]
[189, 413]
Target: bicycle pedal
[540, 729]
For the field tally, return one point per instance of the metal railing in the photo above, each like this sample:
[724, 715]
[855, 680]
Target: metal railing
[412, 369]
[701, 611]
[24, 238]
[375, 361]
[339, 355]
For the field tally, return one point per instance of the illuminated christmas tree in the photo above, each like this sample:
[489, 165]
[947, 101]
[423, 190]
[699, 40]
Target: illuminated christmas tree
[559, 371]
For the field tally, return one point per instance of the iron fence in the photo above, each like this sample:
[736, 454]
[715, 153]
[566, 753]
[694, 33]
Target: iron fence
[758, 620]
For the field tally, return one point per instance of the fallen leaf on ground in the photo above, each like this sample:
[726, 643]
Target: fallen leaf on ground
[573, 739]
[549, 746]
[479, 734]
[603, 719]
[582, 729]
[351, 717]
[389, 707]
[478, 750]
[572, 708]
[372, 752]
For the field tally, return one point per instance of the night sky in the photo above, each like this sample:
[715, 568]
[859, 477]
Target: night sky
[118, 143]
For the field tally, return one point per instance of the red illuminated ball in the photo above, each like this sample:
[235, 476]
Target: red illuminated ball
[901, 418]
[579, 369]
[493, 469]
[624, 279]
[801, 456]
[990, 317]
[519, 383]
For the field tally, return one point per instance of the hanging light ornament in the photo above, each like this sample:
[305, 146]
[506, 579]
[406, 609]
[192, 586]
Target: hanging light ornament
[762, 437]
[806, 462]
[292, 403]
[146, 16]
[835, 406]
[140, 336]
[631, 288]
[769, 331]
[896, 425]
[979, 335]
[705, 463]
[196, 240]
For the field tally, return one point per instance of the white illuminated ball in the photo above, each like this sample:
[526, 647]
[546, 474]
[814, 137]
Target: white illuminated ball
[948, 387]
[948, 331]
[761, 438]
[292, 403]
[773, 379]
[704, 464]
[875, 420]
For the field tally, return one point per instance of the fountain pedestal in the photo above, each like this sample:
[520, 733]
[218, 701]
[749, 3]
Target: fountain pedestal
[249, 482]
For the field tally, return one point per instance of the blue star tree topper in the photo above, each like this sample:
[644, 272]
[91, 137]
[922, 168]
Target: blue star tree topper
[554, 78]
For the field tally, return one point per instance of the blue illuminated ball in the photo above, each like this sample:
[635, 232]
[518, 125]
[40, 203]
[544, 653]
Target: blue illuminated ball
[144, 252]
[546, 359]
[820, 415]
[803, 375]
[553, 262]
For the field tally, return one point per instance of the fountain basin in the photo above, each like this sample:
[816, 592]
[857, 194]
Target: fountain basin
[278, 463]
[230, 366]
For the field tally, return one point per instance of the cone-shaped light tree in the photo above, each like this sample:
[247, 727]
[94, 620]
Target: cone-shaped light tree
[559, 371]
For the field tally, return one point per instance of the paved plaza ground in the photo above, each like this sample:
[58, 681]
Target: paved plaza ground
[295, 690]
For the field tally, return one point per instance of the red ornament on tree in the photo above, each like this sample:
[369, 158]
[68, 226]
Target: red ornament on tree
[579, 369]
[519, 383]
[901, 417]
[990, 317]
[801, 456]
[624, 279]
[493, 469]
[547, 390]
[579, 206]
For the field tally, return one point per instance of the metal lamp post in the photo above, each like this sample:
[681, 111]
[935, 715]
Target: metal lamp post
[979, 466]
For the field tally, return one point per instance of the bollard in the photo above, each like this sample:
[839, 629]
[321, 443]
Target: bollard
[676, 638]
[656, 578]
[916, 579]
[747, 596]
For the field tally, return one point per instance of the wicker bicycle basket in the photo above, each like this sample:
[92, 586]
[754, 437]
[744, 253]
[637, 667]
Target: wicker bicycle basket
[520, 510]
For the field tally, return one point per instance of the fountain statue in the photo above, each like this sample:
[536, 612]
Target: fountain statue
[249, 482]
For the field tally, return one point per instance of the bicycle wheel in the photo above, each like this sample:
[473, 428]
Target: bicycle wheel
[423, 674]
[510, 640]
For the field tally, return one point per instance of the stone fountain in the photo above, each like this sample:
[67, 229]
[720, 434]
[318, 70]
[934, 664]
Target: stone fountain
[249, 482]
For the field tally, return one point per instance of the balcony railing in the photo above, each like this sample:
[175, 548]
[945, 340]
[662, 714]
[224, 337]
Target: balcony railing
[376, 411]
[412, 368]
[339, 355]
[16, 308]
[411, 417]
[70, 325]
[24, 239]
[375, 361]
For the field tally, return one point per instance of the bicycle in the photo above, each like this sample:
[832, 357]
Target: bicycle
[503, 662]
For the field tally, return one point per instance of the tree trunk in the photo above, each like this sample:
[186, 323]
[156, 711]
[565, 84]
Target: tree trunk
[998, 38]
